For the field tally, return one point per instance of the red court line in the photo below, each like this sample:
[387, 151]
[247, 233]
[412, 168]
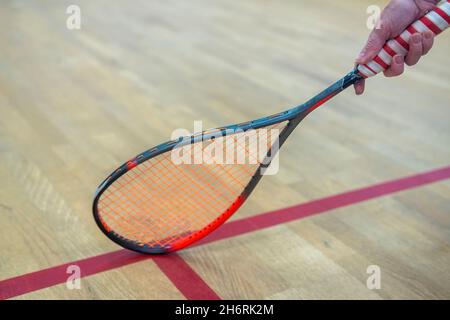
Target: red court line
[269, 219]
[173, 266]
[187, 281]
[55, 275]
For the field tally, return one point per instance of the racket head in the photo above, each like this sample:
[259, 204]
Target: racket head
[130, 209]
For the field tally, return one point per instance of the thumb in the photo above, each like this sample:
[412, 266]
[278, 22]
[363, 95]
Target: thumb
[375, 43]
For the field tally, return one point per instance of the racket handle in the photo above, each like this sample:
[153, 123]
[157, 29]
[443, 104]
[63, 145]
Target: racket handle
[436, 21]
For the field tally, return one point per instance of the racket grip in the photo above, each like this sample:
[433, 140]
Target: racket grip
[436, 21]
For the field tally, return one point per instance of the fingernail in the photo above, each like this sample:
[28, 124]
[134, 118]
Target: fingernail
[416, 38]
[398, 59]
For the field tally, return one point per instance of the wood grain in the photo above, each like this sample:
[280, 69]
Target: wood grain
[75, 104]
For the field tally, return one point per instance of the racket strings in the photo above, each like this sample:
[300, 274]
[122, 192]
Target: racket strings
[160, 202]
[165, 200]
[162, 199]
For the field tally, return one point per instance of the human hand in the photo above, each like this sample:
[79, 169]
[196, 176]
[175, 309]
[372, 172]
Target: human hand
[394, 19]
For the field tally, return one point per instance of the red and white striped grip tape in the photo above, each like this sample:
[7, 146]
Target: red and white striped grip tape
[436, 21]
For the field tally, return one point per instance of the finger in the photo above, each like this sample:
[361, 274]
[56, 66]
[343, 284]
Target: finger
[397, 67]
[375, 43]
[415, 49]
[427, 42]
[359, 86]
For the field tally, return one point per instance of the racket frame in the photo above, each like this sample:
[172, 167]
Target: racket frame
[294, 116]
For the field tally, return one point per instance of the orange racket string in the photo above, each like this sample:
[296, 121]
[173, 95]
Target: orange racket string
[159, 202]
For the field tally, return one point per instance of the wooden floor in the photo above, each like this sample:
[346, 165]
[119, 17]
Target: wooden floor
[74, 104]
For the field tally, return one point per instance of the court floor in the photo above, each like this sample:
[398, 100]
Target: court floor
[363, 182]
